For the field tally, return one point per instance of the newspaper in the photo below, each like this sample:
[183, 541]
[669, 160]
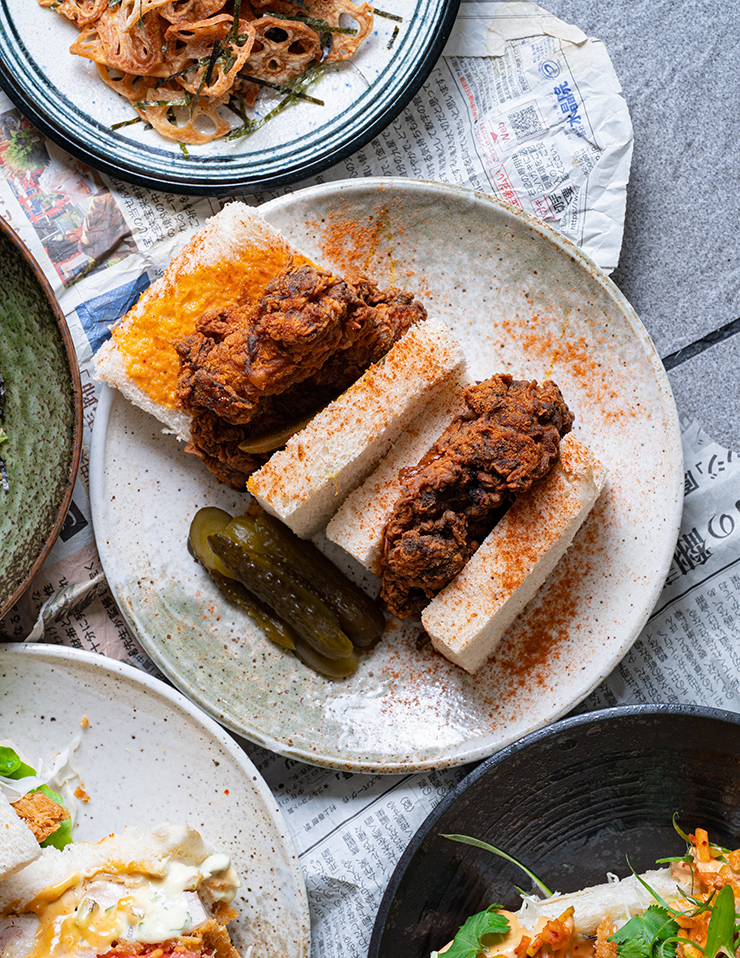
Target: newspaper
[522, 106]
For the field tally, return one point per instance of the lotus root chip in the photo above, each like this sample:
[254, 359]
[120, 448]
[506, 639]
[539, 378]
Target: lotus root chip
[282, 50]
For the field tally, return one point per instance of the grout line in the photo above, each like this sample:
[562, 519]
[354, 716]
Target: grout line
[693, 349]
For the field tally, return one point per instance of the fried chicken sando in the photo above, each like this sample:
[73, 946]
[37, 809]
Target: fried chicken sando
[249, 371]
[508, 438]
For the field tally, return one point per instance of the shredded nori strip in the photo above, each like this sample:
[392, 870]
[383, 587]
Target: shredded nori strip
[282, 88]
[388, 16]
[117, 126]
[251, 126]
[321, 26]
[393, 37]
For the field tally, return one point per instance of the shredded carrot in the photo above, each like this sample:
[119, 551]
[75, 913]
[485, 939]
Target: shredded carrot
[703, 852]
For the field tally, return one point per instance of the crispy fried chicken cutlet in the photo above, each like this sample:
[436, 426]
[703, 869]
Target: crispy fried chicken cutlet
[508, 438]
[42, 814]
[249, 370]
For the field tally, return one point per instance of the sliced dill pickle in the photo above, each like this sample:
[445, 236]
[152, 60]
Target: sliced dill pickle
[331, 668]
[359, 617]
[206, 522]
[273, 627]
[243, 531]
[290, 599]
[276, 438]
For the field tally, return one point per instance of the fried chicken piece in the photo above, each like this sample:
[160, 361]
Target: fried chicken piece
[508, 438]
[604, 947]
[42, 814]
[250, 370]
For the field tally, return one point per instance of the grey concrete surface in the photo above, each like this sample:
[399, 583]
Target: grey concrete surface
[706, 388]
[678, 62]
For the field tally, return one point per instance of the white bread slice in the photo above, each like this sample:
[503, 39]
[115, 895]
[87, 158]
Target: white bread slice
[468, 618]
[306, 482]
[18, 845]
[358, 525]
[206, 274]
[131, 850]
[617, 900]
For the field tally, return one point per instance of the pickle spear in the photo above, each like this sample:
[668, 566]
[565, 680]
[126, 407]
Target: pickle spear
[359, 617]
[287, 596]
[273, 627]
[206, 522]
[331, 668]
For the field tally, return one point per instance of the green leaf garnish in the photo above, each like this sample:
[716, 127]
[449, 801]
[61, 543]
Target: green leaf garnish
[11, 765]
[721, 931]
[647, 887]
[643, 933]
[477, 843]
[681, 834]
[9, 761]
[468, 942]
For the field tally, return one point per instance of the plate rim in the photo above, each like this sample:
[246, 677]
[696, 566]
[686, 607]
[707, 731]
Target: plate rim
[177, 700]
[532, 738]
[672, 433]
[93, 155]
[76, 383]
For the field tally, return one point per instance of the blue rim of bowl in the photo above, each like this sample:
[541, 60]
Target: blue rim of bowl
[572, 722]
[74, 371]
[95, 155]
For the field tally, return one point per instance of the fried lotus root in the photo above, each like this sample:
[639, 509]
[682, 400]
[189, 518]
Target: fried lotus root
[168, 108]
[107, 42]
[190, 11]
[175, 119]
[81, 12]
[132, 12]
[343, 45]
[199, 39]
[283, 50]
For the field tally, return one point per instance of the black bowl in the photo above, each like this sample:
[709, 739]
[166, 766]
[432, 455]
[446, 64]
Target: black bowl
[572, 802]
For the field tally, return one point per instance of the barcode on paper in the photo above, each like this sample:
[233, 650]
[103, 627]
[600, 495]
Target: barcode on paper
[525, 122]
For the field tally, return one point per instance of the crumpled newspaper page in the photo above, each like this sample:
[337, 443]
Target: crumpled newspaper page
[549, 121]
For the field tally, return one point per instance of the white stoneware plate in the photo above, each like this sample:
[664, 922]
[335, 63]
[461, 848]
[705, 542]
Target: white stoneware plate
[147, 756]
[66, 99]
[521, 299]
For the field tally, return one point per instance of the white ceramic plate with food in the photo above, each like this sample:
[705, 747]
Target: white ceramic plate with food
[351, 100]
[147, 755]
[521, 299]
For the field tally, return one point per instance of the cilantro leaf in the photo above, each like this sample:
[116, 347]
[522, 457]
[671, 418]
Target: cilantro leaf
[467, 942]
[645, 933]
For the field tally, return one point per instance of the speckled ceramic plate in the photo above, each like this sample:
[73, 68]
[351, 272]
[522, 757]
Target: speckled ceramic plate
[147, 756]
[520, 298]
[42, 417]
[66, 99]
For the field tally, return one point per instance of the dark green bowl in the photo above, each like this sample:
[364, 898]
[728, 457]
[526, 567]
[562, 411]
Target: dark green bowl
[43, 417]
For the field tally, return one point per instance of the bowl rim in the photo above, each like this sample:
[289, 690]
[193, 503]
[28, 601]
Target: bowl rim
[7, 230]
[571, 722]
